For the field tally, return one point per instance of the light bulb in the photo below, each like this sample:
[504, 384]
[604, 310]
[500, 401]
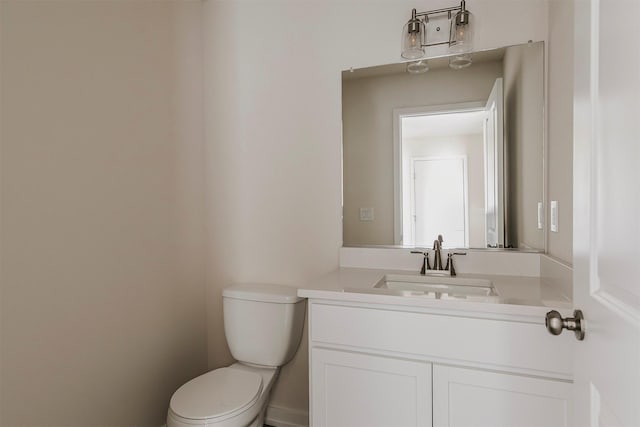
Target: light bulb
[413, 39]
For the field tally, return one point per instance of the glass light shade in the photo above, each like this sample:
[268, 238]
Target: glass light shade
[462, 26]
[459, 62]
[418, 67]
[412, 39]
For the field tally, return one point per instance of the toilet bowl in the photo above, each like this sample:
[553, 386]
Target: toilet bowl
[263, 326]
[227, 397]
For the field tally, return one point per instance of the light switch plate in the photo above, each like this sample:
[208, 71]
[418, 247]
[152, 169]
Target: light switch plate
[554, 216]
[540, 215]
[366, 214]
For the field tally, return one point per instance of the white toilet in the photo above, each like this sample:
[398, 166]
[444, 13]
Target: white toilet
[263, 325]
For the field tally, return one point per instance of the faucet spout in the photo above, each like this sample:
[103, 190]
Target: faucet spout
[437, 256]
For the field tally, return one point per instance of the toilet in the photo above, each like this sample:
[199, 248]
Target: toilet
[263, 326]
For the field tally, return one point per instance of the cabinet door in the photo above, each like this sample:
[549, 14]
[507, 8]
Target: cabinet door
[355, 389]
[467, 397]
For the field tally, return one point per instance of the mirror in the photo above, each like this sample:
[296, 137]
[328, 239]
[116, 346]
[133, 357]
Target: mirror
[451, 152]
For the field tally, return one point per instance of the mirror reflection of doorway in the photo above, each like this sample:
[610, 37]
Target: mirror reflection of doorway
[440, 200]
[449, 173]
[447, 148]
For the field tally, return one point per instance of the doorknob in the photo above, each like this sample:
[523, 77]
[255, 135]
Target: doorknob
[555, 323]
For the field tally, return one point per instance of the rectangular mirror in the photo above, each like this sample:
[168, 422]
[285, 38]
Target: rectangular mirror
[456, 152]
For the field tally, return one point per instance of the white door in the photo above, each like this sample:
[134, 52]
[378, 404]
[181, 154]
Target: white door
[493, 164]
[440, 201]
[607, 212]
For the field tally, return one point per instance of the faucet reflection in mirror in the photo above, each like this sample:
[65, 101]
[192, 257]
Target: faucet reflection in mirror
[460, 37]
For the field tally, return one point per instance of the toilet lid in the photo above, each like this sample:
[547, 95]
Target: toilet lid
[217, 393]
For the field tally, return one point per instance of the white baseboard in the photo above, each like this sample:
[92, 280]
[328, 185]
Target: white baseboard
[278, 416]
[284, 417]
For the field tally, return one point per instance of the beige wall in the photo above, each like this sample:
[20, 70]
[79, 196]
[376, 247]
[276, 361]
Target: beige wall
[272, 114]
[103, 188]
[560, 118]
[367, 118]
[524, 139]
[102, 275]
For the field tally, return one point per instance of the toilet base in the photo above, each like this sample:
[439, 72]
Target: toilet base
[259, 421]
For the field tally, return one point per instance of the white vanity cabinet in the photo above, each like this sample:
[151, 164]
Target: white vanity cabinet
[470, 397]
[359, 389]
[386, 365]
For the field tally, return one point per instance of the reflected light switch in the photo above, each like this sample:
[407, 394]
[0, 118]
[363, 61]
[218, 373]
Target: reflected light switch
[366, 214]
[540, 215]
[554, 216]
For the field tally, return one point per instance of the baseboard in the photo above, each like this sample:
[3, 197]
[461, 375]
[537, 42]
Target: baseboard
[284, 417]
[278, 416]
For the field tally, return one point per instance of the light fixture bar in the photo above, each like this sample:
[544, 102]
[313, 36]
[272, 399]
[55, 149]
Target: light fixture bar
[439, 11]
[434, 44]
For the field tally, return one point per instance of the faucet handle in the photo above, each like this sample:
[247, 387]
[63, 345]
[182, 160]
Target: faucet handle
[425, 261]
[449, 266]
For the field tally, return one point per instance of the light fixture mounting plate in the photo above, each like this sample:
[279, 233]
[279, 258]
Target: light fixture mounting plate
[438, 29]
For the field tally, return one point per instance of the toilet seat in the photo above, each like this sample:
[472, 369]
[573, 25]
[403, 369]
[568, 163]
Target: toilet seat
[217, 395]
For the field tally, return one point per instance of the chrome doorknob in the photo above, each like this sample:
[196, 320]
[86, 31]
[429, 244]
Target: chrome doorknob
[555, 323]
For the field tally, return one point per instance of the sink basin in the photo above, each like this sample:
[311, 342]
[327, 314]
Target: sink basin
[436, 285]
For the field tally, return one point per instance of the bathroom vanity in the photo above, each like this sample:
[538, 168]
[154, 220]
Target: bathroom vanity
[394, 348]
[397, 348]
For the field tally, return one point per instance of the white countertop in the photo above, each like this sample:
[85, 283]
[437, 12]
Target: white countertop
[523, 296]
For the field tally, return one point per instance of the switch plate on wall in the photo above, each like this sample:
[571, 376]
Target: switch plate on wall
[554, 216]
[366, 214]
[540, 215]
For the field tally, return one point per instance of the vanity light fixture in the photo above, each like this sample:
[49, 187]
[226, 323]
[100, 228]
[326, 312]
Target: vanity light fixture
[414, 35]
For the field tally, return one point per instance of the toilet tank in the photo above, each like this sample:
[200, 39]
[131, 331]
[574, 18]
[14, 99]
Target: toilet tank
[263, 323]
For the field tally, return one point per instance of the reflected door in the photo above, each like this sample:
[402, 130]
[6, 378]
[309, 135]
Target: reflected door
[494, 167]
[439, 195]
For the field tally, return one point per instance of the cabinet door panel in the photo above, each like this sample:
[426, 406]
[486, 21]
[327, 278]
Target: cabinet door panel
[354, 389]
[467, 397]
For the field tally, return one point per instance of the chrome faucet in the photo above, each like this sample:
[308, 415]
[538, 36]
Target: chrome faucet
[437, 254]
[437, 258]
[425, 261]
